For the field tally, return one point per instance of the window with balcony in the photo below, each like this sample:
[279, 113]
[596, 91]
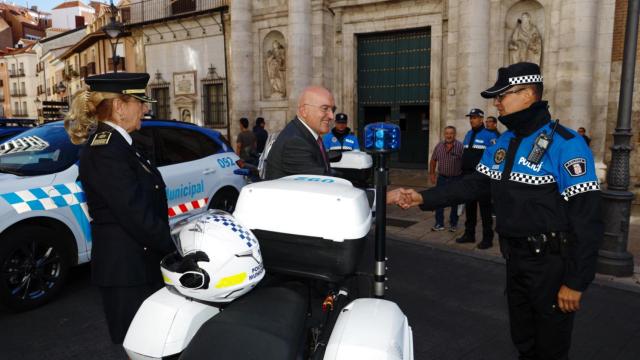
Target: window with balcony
[182, 6]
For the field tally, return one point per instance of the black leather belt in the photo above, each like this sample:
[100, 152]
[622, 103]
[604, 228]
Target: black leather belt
[539, 244]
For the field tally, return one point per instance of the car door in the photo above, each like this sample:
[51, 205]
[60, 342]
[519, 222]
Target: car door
[181, 155]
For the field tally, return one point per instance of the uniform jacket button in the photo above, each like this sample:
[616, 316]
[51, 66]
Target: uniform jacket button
[144, 248]
[157, 187]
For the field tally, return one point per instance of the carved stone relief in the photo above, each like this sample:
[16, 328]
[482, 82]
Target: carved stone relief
[525, 43]
[275, 66]
[525, 32]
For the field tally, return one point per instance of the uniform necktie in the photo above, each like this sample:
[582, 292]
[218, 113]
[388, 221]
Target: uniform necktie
[324, 154]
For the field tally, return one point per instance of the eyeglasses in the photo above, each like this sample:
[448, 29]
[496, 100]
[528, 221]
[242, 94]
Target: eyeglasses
[324, 108]
[501, 97]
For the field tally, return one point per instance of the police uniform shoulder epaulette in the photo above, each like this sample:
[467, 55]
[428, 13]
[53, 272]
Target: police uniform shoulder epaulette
[101, 138]
[564, 132]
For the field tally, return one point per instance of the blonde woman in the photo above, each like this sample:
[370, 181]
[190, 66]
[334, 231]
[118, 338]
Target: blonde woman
[125, 195]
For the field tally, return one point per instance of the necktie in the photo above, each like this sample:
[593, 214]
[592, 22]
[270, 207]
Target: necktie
[324, 154]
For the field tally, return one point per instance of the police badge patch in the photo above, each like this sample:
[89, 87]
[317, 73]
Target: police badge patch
[576, 167]
[499, 155]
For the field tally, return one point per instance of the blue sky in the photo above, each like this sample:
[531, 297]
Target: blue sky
[45, 5]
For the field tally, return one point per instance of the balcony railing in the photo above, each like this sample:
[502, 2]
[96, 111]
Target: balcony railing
[18, 93]
[144, 11]
[16, 73]
[20, 113]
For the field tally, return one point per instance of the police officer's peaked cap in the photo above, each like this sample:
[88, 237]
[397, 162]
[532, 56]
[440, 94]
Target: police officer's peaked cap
[132, 84]
[475, 112]
[341, 118]
[515, 74]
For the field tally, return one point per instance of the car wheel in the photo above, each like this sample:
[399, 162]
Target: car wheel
[225, 199]
[33, 268]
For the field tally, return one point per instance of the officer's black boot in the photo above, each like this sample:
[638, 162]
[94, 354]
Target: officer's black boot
[466, 238]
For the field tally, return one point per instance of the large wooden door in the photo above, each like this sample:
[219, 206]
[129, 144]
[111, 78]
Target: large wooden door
[393, 86]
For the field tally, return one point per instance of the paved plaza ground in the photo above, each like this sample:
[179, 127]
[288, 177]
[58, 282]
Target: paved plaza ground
[416, 225]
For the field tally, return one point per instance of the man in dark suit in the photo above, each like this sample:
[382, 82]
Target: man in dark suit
[299, 148]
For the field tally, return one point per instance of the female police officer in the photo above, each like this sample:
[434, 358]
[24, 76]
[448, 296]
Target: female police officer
[547, 204]
[125, 195]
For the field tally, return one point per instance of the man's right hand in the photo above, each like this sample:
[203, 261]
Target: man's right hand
[432, 177]
[409, 198]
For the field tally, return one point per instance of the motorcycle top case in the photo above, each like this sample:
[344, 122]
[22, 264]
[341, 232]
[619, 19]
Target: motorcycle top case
[355, 166]
[307, 225]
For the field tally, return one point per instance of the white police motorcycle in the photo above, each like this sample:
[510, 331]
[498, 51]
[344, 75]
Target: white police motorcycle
[218, 303]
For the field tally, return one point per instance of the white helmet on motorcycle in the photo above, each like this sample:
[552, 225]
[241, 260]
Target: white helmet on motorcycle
[217, 259]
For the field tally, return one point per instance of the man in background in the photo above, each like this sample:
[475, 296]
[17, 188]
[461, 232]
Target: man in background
[447, 156]
[246, 141]
[341, 137]
[492, 125]
[475, 142]
[261, 134]
[583, 132]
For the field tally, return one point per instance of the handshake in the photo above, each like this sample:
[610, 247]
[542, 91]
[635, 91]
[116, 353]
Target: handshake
[405, 198]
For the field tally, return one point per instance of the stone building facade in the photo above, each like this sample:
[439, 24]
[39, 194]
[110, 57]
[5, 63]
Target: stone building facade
[467, 41]
[418, 63]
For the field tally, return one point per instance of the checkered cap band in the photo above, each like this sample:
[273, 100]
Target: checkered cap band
[526, 79]
[484, 169]
[580, 188]
[531, 179]
[242, 233]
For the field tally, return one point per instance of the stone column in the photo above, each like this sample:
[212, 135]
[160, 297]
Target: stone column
[299, 59]
[473, 55]
[240, 63]
[338, 78]
[576, 61]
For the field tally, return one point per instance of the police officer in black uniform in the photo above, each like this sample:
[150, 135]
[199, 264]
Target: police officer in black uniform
[541, 176]
[125, 195]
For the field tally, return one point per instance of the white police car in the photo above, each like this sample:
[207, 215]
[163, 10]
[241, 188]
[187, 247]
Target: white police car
[44, 222]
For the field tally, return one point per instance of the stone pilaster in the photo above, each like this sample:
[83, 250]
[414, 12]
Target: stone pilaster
[473, 55]
[299, 56]
[240, 63]
[576, 59]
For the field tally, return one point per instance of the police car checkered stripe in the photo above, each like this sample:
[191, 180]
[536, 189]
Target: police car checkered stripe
[483, 169]
[52, 197]
[244, 235]
[527, 79]
[186, 207]
[46, 198]
[531, 179]
[580, 188]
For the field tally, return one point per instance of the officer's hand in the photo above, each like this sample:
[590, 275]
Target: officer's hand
[569, 299]
[410, 198]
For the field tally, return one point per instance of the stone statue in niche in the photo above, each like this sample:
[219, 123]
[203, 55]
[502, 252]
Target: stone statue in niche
[277, 69]
[526, 42]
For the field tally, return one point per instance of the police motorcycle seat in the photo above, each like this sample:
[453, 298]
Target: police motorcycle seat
[268, 323]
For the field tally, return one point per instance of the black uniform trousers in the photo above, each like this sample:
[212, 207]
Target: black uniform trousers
[539, 330]
[121, 303]
[471, 209]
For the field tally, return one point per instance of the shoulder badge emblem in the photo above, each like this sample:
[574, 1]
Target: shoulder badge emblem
[334, 139]
[499, 155]
[101, 138]
[576, 167]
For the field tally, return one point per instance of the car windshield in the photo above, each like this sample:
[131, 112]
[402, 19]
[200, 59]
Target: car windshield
[40, 151]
